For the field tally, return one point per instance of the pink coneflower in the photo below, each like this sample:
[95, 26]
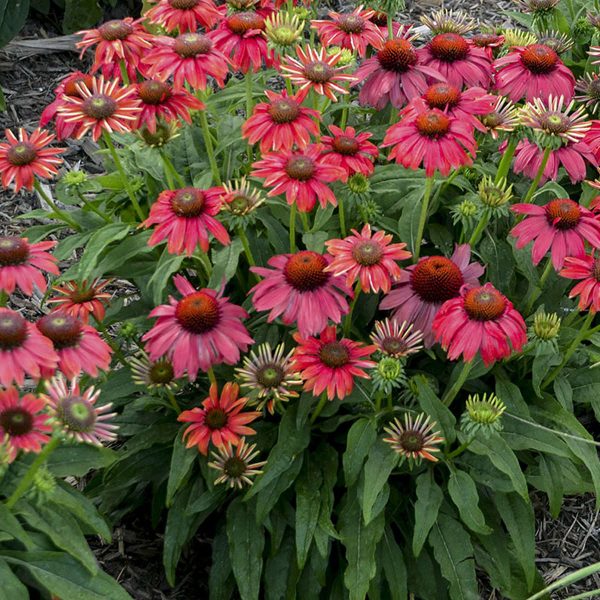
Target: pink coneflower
[184, 15]
[328, 364]
[396, 74]
[502, 119]
[587, 269]
[415, 439]
[368, 258]
[122, 41]
[281, 123]
[185, 217]
[354, 31]
[397, 340]
[301, 175]
[424, 287]
[80, 300]
[488, 42]
[22, 419]
[561, 225]
[24, 157]
[190, 58]
[349, 150]
[22, 263]
[23, 349]
[235, 465]
[459, 61]
[77, 413]
[79, 347]
[106, 107]
[200, 330]
[316, 70]
[220, 420]
[533, 71]
[430, 138]
[301, 291]
[592, 139]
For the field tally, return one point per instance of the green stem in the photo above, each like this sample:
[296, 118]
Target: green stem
[93, 208]
[478, 230]
[205, 262]
[209, 147]
[40, 459]
[378, 401]
[568, 580]
[3, 298]
[249, 107]
[124, 178]
[507, 157]
[124, 74]
[457, 386]
[171, 172]
[422, 218]
[293, 209]
[211, 376]
[61, 214]
[348, 320]
[390, 25]
[540, 286]
[247, 250]
[459, 450]
[305, 223]
[107, 337]
[342, 216]
[538, 176]
[173, 401]
[344, 118]
[288, 87]
[319, 408]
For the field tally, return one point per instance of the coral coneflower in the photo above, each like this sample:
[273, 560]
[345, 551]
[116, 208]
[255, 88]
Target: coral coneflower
[185, 218]
[23, 420]
[587, 269]
[488, 42]
[328, 364]
[184, 15]
[395, 339]
[27, 156]
[367, 257]
[302, 175]
[502, 119]
[200, 330]
[350, 150]
[415, 439]
[235, 465]
[281, 123]
[80, 300]
[220, 420]
[533, 71]
[153, 374]
[424, 287]
[301, 291]
[22, 263]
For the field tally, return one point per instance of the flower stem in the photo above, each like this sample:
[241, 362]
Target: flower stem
[293, 228]
[422, 218]
[319, 408]
[288, 87]
[459, 450]
[390, 25]
[170, 171]
[93, 208]
[247, 250]
[124, 74]
[61, 214]
[342, 216]
[107, 337]
[457, 386]
[540, 286]
[173, 401]
[211, 376]
[209, 147]
[504, 165]
[478, 230]
[538, 176]
[348, 320]
[40, 459]
[344, 118]
[249, 106]
[3, 298]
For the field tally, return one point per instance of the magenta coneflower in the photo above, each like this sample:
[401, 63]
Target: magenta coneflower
[184, 15]
[367, 257]
[80, 300]
[397, 340]
[326, 363]
[430, 138]
[22, 419]
[235, 465]
[533, 71]
[354, 31]
[302, 175]
[587, 269]
[562, 226]
[200, 330]
[481, 320]
[281, 123]
[185, 218]
[350, 150]
[22, 263]
[24, 157]
[424, 287]
[301, 291]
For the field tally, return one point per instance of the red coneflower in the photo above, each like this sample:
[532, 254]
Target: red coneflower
[349, 150]
[27, 156]
[80, 300]
[184, 15]
[587, 269]
[22, 263]
[328, 364]
[220, 420]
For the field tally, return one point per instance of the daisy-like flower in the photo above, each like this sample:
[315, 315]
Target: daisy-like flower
[24, 157]
[185, 217]
[328, 364]
[481, 320]
[316, 70]
[79, 346]
[537, 7]
[80, 300]
[415, 439]
[23, 350]
[533, 71]
[350, 150]
[301, 291]
[23, 420]
[235, 465]
[283, 31]
[154, 375]
[482, 414]
[586, 268]
[190, 58]
[353, 31]
[184, 15]
[448, 21]
[424, 287]
[367, 257]
[302, 175]
[200, 330]
[220, 420]
[122, 41]
[460, 62]
[488, 42]
[432, 139]
[396, 74]
[267, 377]
[239, 202]
[562, 226]
[395, 339]
[105, 107]
[281, 123]
[502, 119]
[559, 42]
[22, 263]
[589, 91]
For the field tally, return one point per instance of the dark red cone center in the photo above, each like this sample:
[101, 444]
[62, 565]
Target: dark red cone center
[436, 279]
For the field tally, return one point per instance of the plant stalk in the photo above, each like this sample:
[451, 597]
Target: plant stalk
[457, 386]
[210, 151]
[422, 218]
[538, 176]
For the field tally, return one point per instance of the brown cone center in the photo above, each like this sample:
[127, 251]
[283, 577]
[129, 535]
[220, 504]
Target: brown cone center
[563, 213]
[344, 144]
[539, 59]
[63, 330]
[112, 31]
[189, 45]
[188, 202]
[436, 279]
[440, 95]
[397, 56]
[334, 355]
[154, 91]
[484, 304]
[284, 111]
[99, 106]
[367, 253]
[433, 123]
[13, 330]
[16, 421]
[198, 312]
[449, 47]
[21, 154]
[300, 168]
[13, 251]
[305, 271]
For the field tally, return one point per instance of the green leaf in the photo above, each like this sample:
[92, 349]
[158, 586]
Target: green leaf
[78, 460]
[427, 506]
[166, 266]
[80, 14]
[281, 572]
[361, 436]
[12, 588]
[453, 551]
[225, 262]
[433, 406]
[393, 565]
[551, 473]
[133, 246]
[497, 256]
[13, 14]
[220, 579]
[315, 241]
[10, 524]
[545, 358]
[182, 460]
[246, 544]
[101, 238]
[408, 224]
[463, 492]
[381, 462]
[308, 504]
